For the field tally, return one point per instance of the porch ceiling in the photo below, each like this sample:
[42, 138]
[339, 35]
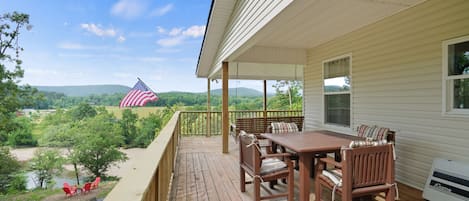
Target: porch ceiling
[302, 25]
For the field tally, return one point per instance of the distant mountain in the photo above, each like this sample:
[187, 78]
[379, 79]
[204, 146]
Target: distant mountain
[240, 91]
[85, 90]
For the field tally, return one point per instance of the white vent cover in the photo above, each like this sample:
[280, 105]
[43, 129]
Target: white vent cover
[448, 180]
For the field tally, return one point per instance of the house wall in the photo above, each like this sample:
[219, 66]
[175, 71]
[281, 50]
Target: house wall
[397, 83]
[248, 18]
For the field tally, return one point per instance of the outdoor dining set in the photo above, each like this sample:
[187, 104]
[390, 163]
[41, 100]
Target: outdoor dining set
[352, 166]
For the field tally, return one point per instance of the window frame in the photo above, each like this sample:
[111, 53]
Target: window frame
[334, 126]
[448, 81]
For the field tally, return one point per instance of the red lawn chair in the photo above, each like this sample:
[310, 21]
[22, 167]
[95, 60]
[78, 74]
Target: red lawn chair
[86, 188]
[69, 192]
[95, 183]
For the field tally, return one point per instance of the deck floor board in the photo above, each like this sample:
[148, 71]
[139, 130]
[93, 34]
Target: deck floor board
[204, 173]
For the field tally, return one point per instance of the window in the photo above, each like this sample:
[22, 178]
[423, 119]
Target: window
[337, 83]
[456, 76]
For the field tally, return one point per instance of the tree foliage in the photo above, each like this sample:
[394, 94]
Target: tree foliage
[12, 96]
[287, 95]
[45, 164]
[128, 126]
[97, 149]
[21, 134]
[149, 127]
[9, 166]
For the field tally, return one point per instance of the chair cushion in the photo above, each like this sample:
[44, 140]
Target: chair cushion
[282, 127]
[366, 143]
[372, 132]
[335, 175]
[270, 165]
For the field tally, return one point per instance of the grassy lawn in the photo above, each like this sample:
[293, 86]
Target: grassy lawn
[141, 111]
[58, 194]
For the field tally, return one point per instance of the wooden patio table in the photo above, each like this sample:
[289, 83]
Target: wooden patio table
[307, 144]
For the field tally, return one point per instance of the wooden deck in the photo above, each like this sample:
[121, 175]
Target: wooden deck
[204, 173]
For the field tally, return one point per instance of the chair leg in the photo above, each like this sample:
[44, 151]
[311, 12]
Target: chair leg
[242, 180]
[317, 190]
[291, 185]
[390, 195]
[257, 189]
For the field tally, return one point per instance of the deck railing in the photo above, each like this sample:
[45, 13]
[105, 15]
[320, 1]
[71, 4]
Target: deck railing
[150, 176]
[195, 122]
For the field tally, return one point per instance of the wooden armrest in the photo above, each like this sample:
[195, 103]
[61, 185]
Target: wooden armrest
[275, 155]
[331, 161]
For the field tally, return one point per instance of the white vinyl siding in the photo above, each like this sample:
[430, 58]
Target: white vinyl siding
[397, 83]
[248, 17]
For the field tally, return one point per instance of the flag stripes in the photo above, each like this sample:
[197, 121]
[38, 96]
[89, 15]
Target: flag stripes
[138, 96]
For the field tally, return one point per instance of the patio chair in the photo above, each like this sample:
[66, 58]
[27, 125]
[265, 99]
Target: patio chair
[95, 183]
[263, 167]
[363, 171]
[86, 187]
[69, 192]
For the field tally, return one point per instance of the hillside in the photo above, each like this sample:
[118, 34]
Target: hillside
[85, 90]
[241, 91]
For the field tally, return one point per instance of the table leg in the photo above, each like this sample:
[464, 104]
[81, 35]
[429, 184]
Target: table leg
[305, 165]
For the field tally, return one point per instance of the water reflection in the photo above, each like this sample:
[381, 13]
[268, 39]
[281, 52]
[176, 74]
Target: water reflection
[31, 181]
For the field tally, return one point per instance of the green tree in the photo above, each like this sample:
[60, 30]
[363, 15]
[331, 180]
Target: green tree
[12, 96]
[45, 164]
[9, 166]
[287, 95]
[82, 111]
[98, 149]
[22, 133]
[148, 130]
[64, 135]
[128, 126]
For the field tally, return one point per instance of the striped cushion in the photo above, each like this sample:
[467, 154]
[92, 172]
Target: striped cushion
[282, 127]
[373, 133]
[335, 175]
[272, 165]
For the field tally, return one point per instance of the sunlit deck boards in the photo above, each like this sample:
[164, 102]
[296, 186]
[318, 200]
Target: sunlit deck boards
[204, 173]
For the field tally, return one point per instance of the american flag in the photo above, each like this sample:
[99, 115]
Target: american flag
[138, 96]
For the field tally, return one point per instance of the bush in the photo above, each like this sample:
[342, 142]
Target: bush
[22, 134]
[18, 183]
[9, 166]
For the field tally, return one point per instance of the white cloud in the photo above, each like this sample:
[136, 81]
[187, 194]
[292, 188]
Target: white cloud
[160, 11]
[194, 31]
[179, 35]
[128, 9]
[97, 30]
[169, 42]
[121, 39]
[175, 31]
[160, 30]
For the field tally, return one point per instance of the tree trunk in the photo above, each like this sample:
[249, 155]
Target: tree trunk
[76, 173]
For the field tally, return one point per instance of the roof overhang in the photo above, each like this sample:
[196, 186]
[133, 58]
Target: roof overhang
[280, 46]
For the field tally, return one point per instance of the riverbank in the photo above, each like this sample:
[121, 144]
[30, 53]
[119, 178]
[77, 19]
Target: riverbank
[118, 170]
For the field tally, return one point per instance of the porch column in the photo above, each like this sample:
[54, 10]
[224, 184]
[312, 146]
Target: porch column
[225, 121]
[265, 102]
[209, 123]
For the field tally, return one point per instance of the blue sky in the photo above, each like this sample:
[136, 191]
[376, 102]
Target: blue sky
[83, 42]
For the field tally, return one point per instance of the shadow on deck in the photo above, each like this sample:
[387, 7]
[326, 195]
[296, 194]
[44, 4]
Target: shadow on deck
[204, 173]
